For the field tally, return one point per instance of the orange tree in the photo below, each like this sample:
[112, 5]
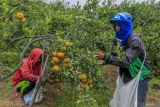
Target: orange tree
[79, 33]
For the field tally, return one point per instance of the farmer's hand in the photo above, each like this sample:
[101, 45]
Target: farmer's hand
[100, 55]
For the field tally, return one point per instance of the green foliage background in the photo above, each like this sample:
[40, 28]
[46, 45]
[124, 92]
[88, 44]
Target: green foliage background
[85, 27]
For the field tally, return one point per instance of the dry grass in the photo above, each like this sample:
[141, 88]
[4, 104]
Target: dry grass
[5, 103]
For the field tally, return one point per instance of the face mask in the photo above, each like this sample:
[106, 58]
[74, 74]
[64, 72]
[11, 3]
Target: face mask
[118, 40]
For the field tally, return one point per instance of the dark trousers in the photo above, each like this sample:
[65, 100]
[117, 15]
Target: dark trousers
[142, 92]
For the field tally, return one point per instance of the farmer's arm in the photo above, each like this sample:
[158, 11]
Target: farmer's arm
[131, 53]
[27, 75]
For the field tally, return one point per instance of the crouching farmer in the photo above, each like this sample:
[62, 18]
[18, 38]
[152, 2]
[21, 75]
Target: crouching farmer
[25, 77]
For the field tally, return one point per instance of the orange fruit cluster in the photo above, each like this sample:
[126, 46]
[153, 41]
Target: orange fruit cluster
[56, 59]
[59, 59]
[20, 17]
[85, 82]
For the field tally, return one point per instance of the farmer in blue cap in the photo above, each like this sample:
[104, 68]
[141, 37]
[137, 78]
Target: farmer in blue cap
[134, 52]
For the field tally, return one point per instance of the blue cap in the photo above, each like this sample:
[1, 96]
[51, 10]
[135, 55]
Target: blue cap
[122, 16]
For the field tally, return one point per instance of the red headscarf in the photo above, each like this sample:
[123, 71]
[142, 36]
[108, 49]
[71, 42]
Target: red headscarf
[30, 69]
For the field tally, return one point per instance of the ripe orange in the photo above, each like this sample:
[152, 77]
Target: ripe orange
[55, 68]
[55, 60]
[82, 76]
[54, 53]
[60, 54]
[20, 15]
